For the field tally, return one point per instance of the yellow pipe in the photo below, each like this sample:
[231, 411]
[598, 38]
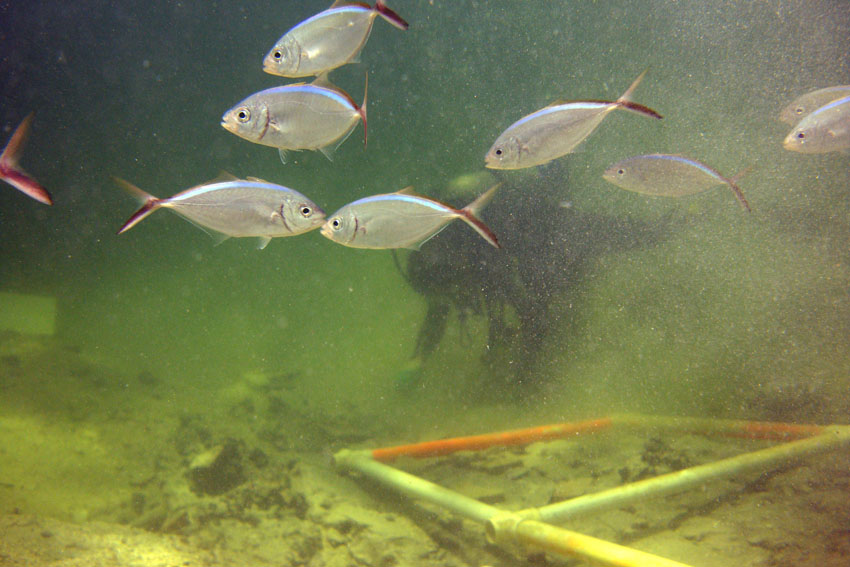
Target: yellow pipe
[511, 531]
[564, 542]
[765, 459]
[411, 485]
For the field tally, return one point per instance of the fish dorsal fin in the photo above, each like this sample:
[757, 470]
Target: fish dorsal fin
[221, 177]
[583, 101]
[258, 180]
[406, 191]
[341, 3]
[559, 102]
[324, 80]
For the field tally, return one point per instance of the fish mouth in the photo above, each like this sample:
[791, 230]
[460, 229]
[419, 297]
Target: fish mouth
[326, 231]
[790, 142]
[227, 125]
[269, 66]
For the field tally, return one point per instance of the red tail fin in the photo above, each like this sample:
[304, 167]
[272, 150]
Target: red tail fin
[470, 215]
[151, 204]
[14, 175]
[639, 108]
[625, 100]
[390, 16]
[733, 184]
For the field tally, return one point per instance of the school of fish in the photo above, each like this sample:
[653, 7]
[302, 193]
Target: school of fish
[320, 116]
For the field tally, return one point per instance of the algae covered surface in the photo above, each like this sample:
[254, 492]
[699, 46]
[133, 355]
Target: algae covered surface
[185, 403]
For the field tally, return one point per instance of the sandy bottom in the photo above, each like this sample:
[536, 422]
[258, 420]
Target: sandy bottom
[99, 468]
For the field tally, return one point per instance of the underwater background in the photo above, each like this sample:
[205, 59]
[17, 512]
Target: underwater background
[685, 306]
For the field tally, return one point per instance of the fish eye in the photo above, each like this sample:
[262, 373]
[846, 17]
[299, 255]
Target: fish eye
[243, 115]
[621, 171]
[277, 55]
[799, 110]
[306, 211]
[498, 152]
[336, 224]
[801, 136]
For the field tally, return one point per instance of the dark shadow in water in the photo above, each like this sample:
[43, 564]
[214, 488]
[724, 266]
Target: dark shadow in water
[548, 245]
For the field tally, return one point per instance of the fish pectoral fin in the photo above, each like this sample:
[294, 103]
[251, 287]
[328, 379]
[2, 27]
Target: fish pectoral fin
[282, 153]
[263, 242]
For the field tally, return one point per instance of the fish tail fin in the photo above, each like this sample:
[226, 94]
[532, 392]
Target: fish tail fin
[639, 108]
[470, 213]
[12, 151]
[14, 175]
[390, 16]
[627, 96]
[625, 101]
[149, 204]
[733, 184]
[362, 109]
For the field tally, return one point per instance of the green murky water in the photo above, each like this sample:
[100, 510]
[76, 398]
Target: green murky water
[717, 313]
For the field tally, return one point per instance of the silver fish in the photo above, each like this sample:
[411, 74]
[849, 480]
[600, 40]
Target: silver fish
[401, 220]
[810, 102]
[668, 176]
[328, 40]
[827, 129]
[10, 171]
[235, 207]
[556, 130]
[315, 116]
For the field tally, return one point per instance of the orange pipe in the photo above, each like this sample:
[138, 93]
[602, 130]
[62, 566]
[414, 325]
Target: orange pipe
[768, 430]
[478, 442]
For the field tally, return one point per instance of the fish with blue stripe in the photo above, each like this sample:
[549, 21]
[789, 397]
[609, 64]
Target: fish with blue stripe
[667, 175]
[805, 104]
[556, 130]
[315, 116]
[328, 40]
[231, 207]
[402, 220]
[825, 130]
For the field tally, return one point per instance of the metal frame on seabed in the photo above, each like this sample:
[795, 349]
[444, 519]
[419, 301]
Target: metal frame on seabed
[533, 527]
